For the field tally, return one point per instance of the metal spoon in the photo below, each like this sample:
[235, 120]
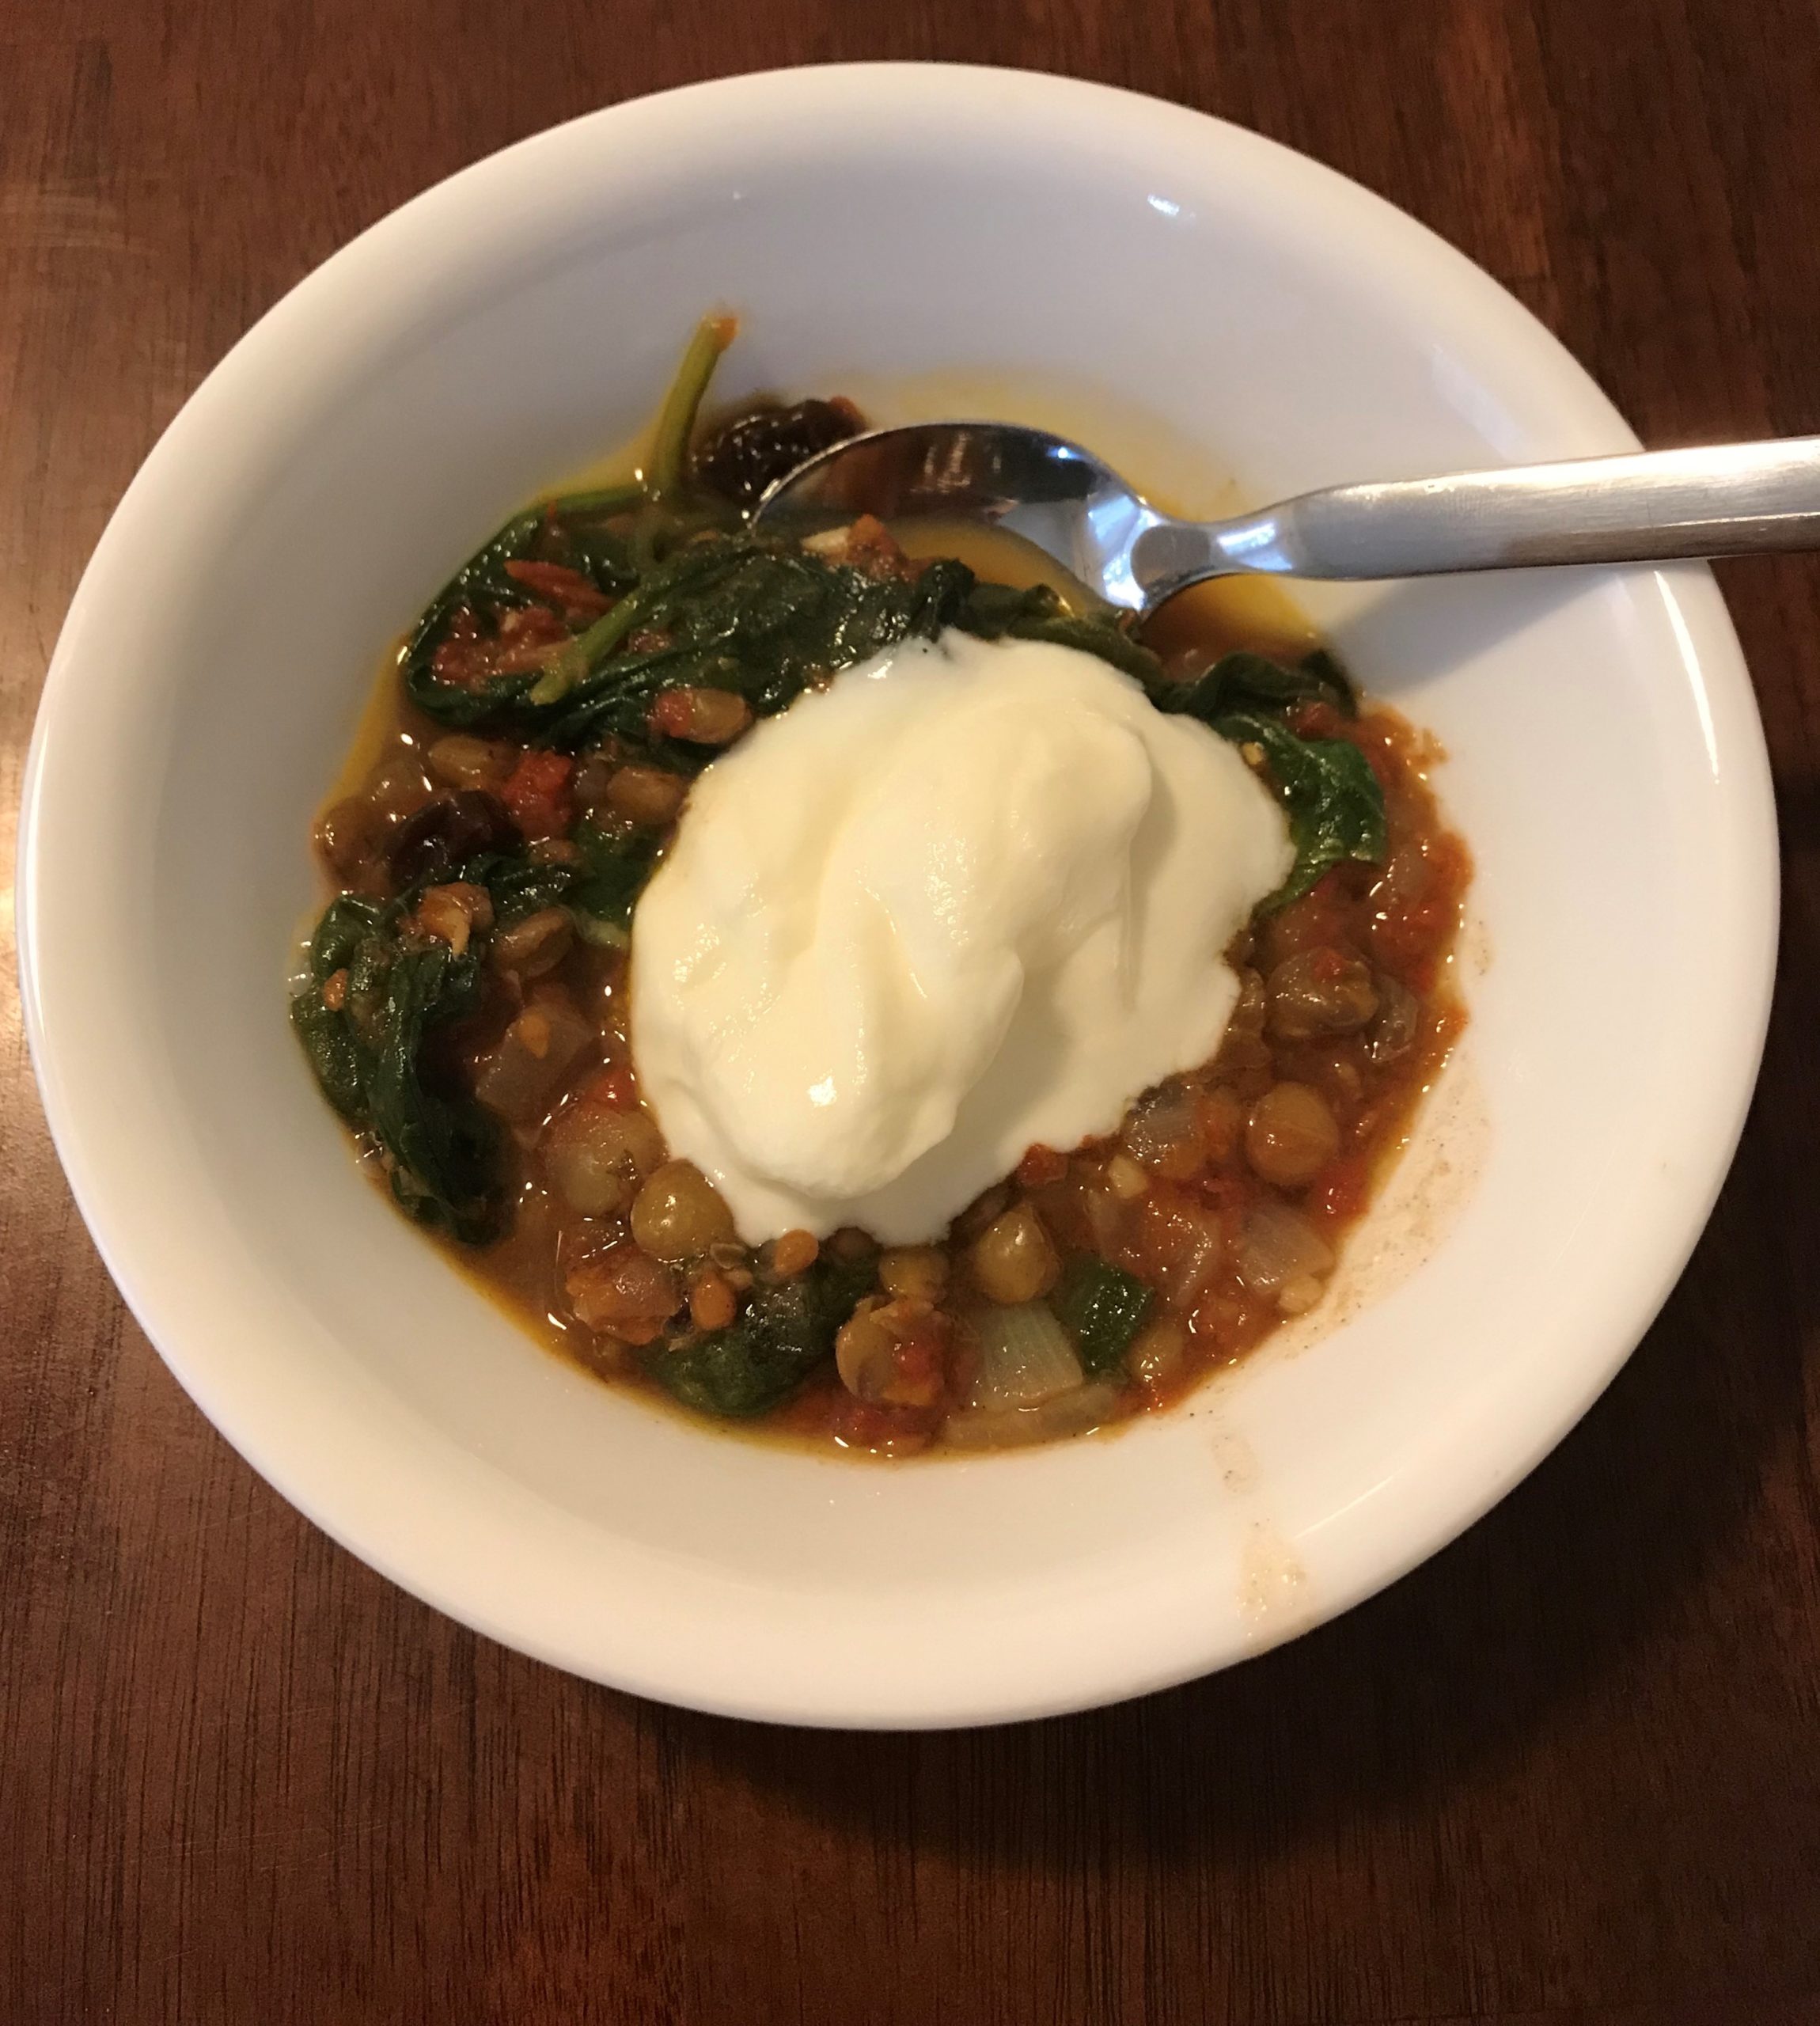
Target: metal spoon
[1725, 500]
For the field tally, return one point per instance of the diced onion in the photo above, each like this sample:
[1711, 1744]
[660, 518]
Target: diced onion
[1156, 1356]
[1276, 1245]
[1106, 1214]
[520, 1073]
[1186, 1242]
[1025, 1358]
[598, 933]
[1164, 1132]
[1074, 1412]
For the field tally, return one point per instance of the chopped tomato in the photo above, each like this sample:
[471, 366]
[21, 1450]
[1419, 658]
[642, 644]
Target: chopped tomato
[1319, 916]
[1316, 720]
[1339, 1192]
[888, 1431]
[616, 1087]
[1040, 1166]
[1404, 939]
[537, 792]
[470, 655]
[921, 1360]
[1225, 1191]
[464, 656]
[1420, 916]
[872, 548]
[706, 717]
[576, 596]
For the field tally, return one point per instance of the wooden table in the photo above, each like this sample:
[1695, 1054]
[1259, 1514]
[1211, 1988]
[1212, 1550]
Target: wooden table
[1569, 1769]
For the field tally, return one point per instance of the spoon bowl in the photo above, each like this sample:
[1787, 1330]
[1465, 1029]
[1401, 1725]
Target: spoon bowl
[1052, 493]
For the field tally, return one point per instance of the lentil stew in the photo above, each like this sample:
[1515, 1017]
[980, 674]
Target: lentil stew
[462, 999]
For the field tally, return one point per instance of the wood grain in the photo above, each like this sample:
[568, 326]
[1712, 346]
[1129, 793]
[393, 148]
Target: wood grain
[1570, 1769]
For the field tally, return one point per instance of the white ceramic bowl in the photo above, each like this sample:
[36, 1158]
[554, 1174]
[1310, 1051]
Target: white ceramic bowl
[1607, 767]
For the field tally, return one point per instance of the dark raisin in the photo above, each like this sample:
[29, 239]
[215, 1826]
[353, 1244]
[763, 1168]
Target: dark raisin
[446, 831]
[754, 450]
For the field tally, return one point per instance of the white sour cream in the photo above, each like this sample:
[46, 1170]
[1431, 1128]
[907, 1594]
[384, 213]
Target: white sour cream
[971, 896]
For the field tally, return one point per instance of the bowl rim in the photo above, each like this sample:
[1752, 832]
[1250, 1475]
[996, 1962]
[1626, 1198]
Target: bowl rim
[1714, 661]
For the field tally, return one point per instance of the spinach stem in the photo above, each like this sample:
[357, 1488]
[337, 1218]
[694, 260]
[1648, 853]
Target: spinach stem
[619, 499]
[572, 660]
[676, 419]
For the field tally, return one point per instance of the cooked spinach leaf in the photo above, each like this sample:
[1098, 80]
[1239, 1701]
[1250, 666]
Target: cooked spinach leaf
[758, 617]
[1102, 1308]
[762, 1358]
[333, 1053]
[606, 886]
[444, 1148]
[995, 612]
[1245, 681]
[346, 922]
[1332, 683]
[1331, 796]
[562, 531]
[519, 886]
[368, 1055]
[739, 612]
[481, 583]
[330, 1039]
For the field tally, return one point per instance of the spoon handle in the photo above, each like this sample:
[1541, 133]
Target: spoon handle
[1727, 500]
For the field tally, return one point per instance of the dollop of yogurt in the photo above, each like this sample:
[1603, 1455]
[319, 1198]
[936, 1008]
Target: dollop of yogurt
[973, 896]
